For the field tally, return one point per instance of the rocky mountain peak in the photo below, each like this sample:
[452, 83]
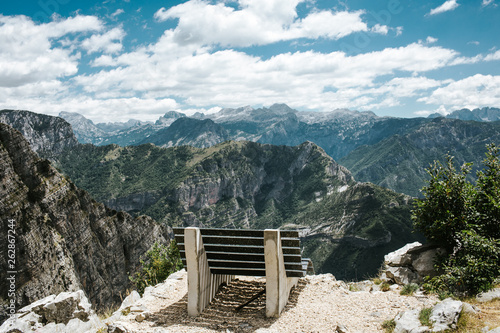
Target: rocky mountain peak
[48, 136]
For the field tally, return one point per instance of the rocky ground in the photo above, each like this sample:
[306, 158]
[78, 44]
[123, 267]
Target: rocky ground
[320, 303]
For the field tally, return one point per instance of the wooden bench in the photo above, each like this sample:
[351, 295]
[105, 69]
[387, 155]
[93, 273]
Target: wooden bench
[215, 256]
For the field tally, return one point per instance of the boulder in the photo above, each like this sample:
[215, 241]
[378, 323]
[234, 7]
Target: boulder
[67, 312]
[444, 315]
[411, 263]
[409, 322]
[423, 263]
[400, 256]
[402, 275]
[489, 295]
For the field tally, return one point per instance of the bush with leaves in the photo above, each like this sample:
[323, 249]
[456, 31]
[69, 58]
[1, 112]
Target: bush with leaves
[464, 219]
[160, 262]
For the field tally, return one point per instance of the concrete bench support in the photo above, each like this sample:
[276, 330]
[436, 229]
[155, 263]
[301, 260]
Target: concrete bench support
[278, 285]
[202, 285]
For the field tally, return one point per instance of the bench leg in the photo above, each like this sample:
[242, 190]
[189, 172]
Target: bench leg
[202, 285]
[278, 285]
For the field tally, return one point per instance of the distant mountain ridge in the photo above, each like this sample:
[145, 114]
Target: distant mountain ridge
[486, 114]
[338, 132]
[399, 161]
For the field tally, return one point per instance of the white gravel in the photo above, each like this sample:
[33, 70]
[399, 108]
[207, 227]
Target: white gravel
[318, 304]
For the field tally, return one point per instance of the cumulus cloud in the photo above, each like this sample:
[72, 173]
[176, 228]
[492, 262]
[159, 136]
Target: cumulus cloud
[30, 52]
[232, 78]
[445, 7]
[109, 42]
[493, 56]
[257, 22]
[472, 92]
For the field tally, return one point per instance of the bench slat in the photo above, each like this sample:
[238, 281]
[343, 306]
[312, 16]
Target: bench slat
[239, 248]
[211, 240]
[288, 258]
[251, 272]
[237, 232]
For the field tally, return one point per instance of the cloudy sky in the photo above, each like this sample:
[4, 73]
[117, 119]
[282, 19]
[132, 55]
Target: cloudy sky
[114, 60]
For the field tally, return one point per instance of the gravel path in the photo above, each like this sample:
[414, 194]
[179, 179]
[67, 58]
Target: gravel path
[318, 304]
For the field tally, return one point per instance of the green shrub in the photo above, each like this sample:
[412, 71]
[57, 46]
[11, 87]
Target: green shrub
[389, 325]
[160, 262]
[409, 289]
[465, 220]
[424, 316]
[385, 286]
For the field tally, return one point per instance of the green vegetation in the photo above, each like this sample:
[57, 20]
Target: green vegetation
[389, 325]
[385, 286]
[424, 317]
[465, 220]
[409, 289]
[160, 262]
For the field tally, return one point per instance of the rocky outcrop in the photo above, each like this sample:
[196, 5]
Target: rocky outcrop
[68, 312]
[48, 136]
[64, 240]
[411, 263]
[444, 316]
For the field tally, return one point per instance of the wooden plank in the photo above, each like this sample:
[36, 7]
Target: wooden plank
[246, 272]
[248, 264]
[238, 232]
[241, 248]
[288, 258]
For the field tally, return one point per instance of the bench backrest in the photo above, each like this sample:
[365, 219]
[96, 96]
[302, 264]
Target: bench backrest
[241, 251]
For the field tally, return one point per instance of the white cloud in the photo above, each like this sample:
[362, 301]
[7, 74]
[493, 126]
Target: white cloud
[493, 56]
[101, 110]
[445, 7]
[230, 78]
[117, 12]
[380, 29]
[31, 53]
[431, 40]
[257, 22]
[471, 92]
[488, 2]
[109, 42]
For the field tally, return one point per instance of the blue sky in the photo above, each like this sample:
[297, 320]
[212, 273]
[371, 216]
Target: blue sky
[114, 60]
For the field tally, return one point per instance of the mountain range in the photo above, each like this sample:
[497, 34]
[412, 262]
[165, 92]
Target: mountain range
[386, 151]
[346, 226]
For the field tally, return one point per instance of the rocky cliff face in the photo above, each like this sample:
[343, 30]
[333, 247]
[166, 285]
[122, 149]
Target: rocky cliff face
[64, 240]
[48, 136]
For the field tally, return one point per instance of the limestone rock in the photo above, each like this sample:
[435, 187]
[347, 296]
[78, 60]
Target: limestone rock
[423, 263]
[400, 256]
[409, 322]
[401, 275]
[445, 315]
[67, 312]
[489, 295]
